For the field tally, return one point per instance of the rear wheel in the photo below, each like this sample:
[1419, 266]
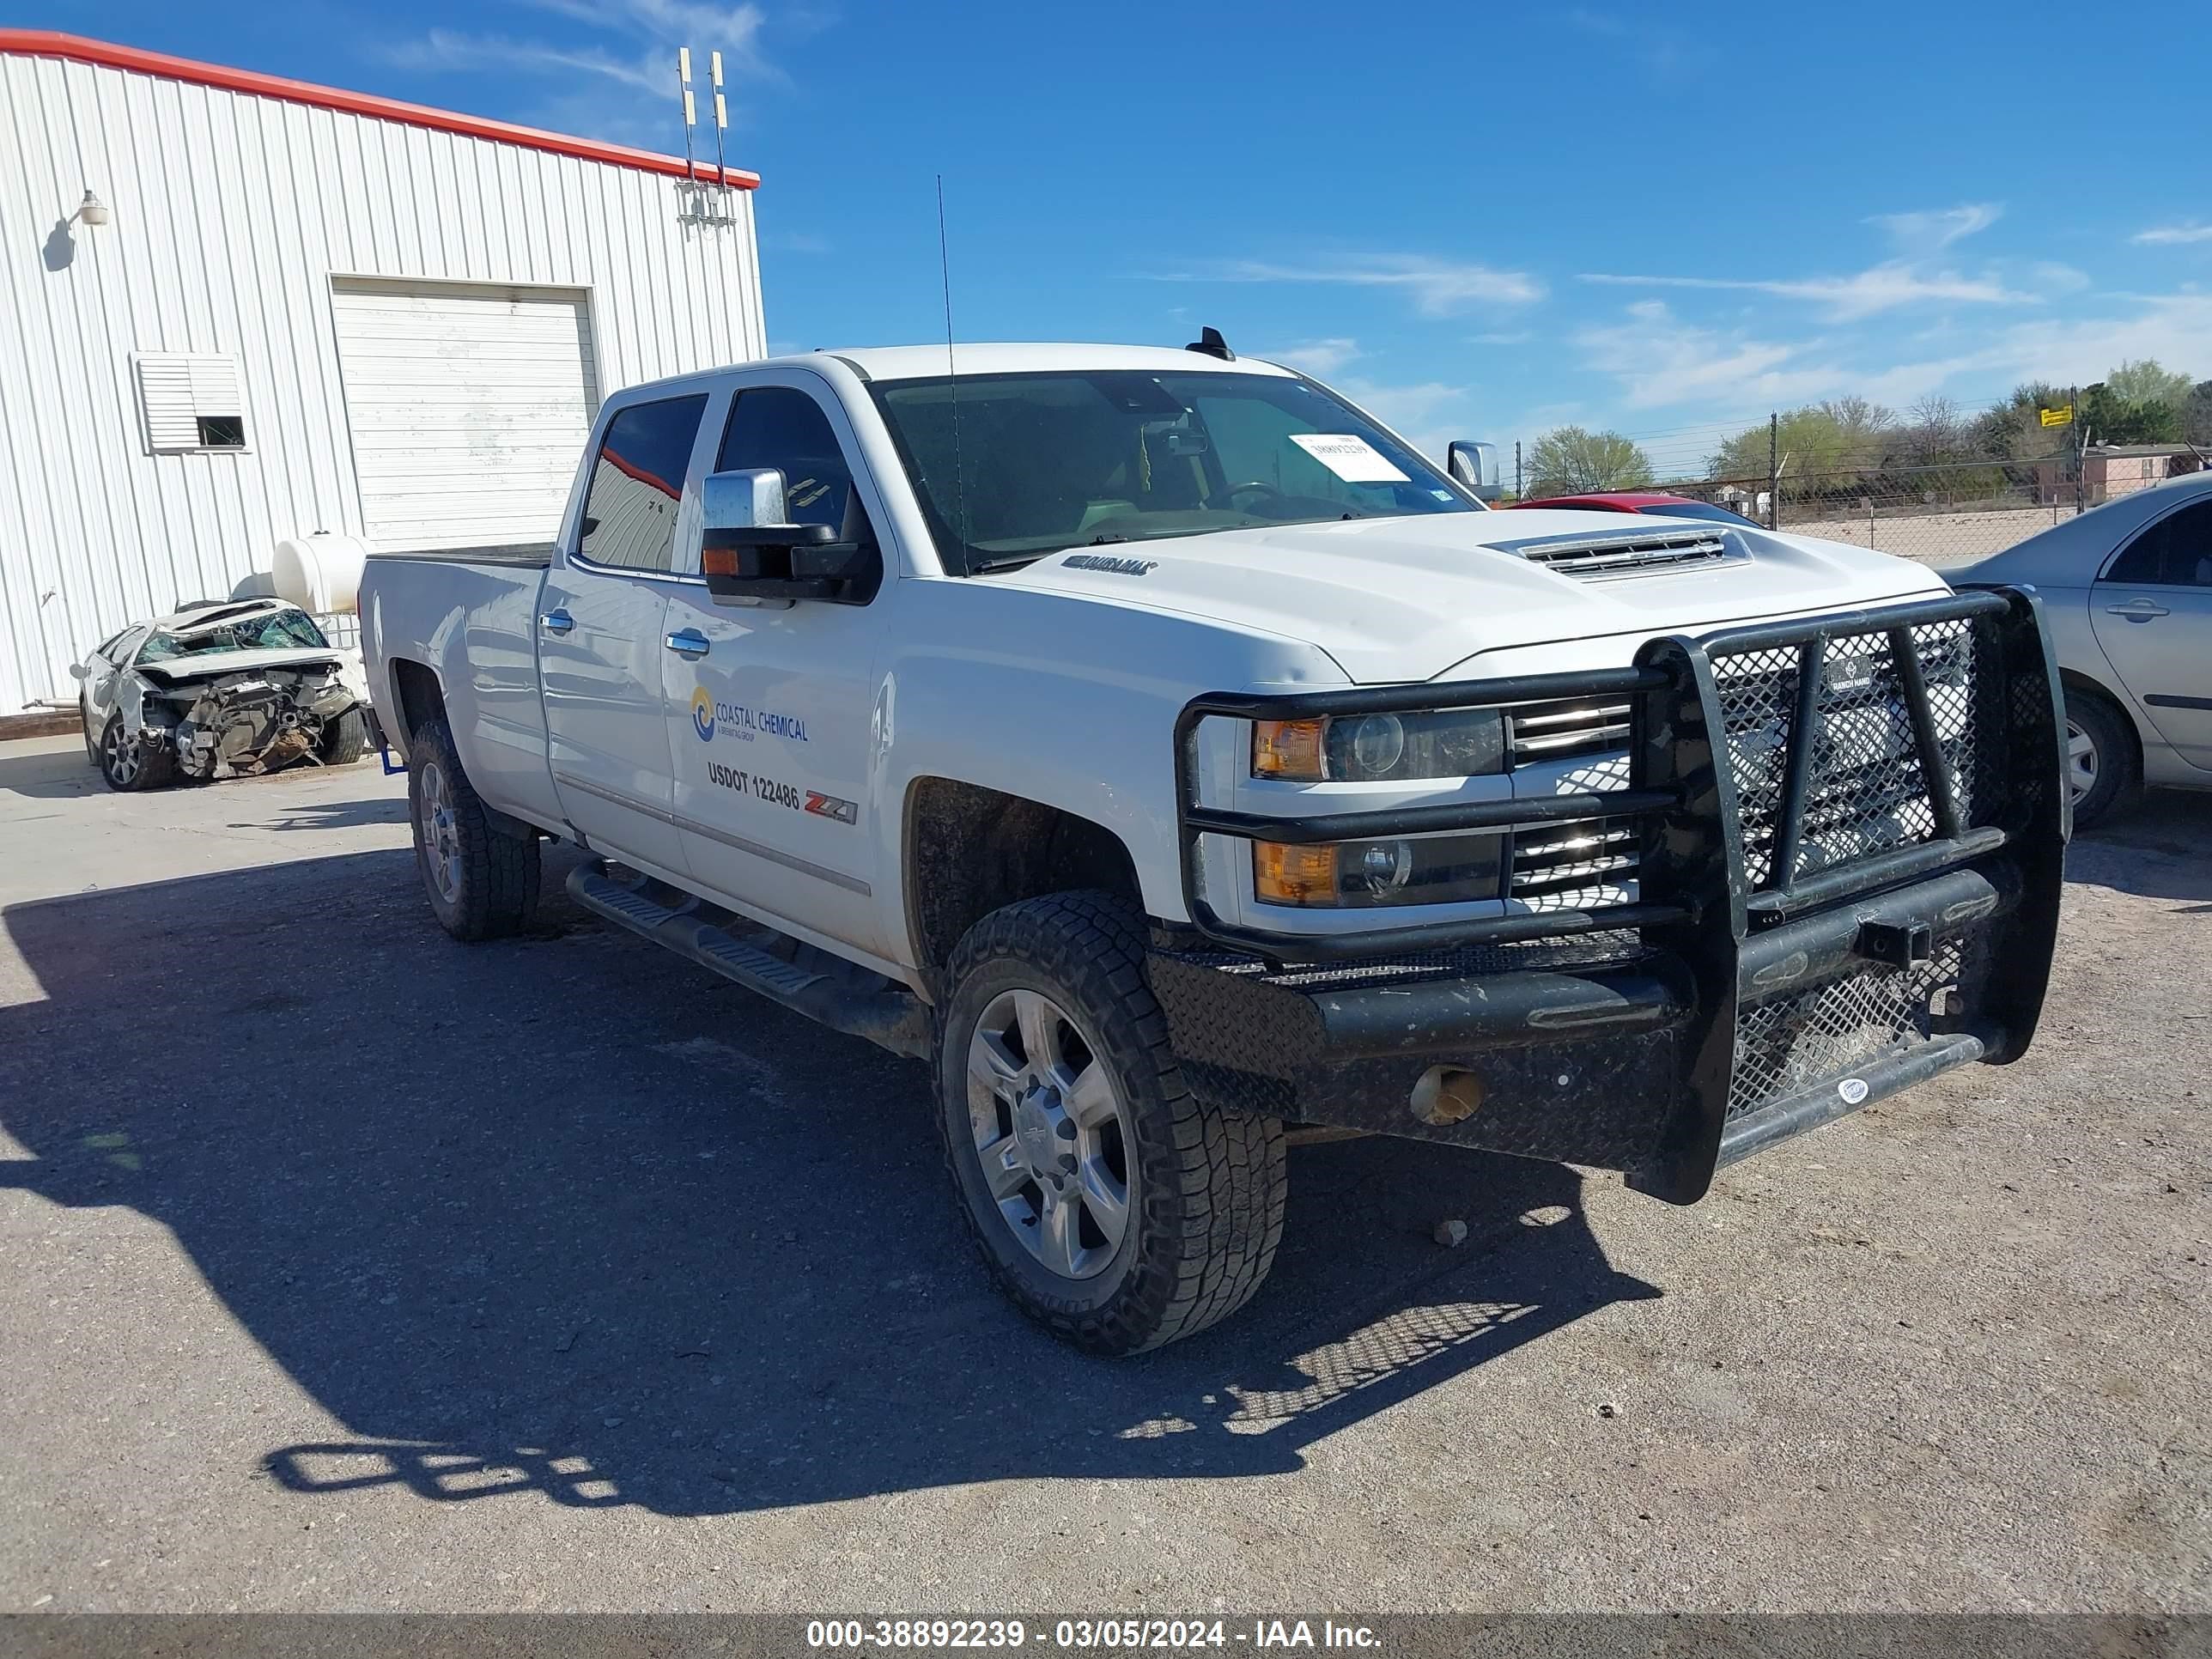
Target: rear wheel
[2101, 767]
[128, 764]
[1108, 1203]
[482, 883]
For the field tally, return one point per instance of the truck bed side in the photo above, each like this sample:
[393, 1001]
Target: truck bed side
[460, 627]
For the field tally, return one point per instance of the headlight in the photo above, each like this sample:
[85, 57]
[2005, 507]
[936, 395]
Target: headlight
[1392, 870]
[1445, 743]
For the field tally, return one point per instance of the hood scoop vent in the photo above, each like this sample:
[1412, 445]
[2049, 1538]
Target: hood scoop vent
[1597, 558]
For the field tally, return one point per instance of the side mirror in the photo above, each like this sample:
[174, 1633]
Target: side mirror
[1474, 466]
[749, 550]
[78, 670]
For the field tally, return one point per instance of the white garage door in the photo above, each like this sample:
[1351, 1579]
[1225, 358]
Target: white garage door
[469, 407]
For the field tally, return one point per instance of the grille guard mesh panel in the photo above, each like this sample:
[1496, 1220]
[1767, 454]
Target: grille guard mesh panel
[1798, 1041]
[1865, 792]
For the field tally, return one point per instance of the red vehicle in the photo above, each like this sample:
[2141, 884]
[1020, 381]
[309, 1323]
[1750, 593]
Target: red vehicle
[1642, 500]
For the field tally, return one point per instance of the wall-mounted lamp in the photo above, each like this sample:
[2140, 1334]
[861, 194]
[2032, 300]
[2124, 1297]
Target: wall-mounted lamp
[92, 209]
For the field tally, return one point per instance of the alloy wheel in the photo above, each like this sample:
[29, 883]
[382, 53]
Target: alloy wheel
[120, 755]
[1052, 1133]
[441, 838]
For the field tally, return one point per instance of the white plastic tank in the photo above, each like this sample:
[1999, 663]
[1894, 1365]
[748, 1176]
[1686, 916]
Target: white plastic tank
[320, 573]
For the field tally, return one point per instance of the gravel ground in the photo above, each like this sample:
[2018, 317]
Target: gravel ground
[350, 1267]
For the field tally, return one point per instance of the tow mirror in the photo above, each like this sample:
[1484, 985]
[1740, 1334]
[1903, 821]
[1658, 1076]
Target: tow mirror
[1474, 466]
[78, 670]
[748, 549]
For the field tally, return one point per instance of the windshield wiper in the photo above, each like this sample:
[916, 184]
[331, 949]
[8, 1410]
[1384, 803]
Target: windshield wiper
[1018, 560]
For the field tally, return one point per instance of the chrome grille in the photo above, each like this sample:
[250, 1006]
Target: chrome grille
[1593, 560]
[1562, 730]
[1573, 866]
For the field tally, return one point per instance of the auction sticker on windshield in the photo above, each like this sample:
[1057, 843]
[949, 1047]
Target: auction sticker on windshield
[1350, 456]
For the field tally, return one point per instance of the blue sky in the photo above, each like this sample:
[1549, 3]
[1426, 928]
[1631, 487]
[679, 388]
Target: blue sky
[1483, 221]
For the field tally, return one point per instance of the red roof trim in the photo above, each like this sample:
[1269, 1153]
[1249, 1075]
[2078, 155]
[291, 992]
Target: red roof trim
[47, 43]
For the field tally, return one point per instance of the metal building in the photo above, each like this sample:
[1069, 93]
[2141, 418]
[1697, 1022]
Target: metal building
[236, 308]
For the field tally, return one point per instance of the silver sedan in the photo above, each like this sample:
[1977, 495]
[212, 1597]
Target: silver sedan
[2127, 588]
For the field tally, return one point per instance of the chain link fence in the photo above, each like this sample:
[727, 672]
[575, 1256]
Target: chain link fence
[1878, 494]
[1937, 512]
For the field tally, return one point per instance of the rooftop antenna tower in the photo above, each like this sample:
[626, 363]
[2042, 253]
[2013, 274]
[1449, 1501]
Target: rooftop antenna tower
[683, 82]
[722, 121]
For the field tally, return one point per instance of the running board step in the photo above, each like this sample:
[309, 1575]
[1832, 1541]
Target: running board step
[851, 999]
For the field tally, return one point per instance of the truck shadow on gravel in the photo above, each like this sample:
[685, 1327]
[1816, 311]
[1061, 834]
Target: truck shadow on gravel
[566, 1217]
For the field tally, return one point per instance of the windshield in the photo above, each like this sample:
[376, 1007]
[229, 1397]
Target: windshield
[278, 630]
[1053, 461]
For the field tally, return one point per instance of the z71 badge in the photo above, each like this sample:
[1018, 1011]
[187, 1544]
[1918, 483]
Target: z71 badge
[829, 806]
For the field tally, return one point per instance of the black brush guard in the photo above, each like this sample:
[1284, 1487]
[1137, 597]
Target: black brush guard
[1818, 923]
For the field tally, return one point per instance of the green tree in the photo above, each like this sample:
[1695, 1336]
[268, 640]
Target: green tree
[2013, 430]
[2141, 380]
[1821, 446]
[2111, 418]
[2196, 418]
[1568, 460]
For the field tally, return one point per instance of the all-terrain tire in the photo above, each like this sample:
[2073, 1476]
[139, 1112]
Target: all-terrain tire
[2118, 773]
[482, 883]
[346, 738]
[1206, 1203]
[127, 765]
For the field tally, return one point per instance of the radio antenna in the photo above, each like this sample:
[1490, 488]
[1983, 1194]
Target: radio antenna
[951, 373]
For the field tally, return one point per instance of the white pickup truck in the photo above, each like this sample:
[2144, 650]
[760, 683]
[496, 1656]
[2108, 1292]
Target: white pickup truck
[1182, 765]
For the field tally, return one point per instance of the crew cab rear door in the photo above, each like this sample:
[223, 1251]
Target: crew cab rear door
[600, 638]
[770, 704]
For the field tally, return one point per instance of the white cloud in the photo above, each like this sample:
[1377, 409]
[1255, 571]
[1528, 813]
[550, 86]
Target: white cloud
[1862, 294]
[1659, 361]
[631, 44]
[1318, 357]
[1423, 414]
[1437, 287]
[444, 49]
[1938, 227]
[2191, 232]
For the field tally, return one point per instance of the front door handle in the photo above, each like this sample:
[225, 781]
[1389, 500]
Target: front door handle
[690, 642]
[2138, 609]
[556, 622]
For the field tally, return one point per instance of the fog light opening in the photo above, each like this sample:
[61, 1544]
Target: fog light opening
[1446, 1093]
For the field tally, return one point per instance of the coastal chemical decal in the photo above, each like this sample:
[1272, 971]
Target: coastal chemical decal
[710, 720]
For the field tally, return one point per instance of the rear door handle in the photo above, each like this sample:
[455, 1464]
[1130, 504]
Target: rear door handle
[2138, 609]
[690, 642]
[556, 622]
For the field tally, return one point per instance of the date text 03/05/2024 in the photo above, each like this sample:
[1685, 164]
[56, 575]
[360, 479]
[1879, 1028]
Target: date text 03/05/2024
[1086, 1634]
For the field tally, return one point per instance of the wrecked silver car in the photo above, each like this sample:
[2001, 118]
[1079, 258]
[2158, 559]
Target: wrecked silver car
[221, 689]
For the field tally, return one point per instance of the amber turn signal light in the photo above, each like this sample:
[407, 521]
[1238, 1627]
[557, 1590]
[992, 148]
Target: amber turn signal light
[1288, 749]
[1282, 874]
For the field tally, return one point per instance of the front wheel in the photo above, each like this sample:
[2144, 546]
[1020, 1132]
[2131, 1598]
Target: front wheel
[1108, 1203]
[2101, 767]
[127, 763]
[482, 883]
[345, 738]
